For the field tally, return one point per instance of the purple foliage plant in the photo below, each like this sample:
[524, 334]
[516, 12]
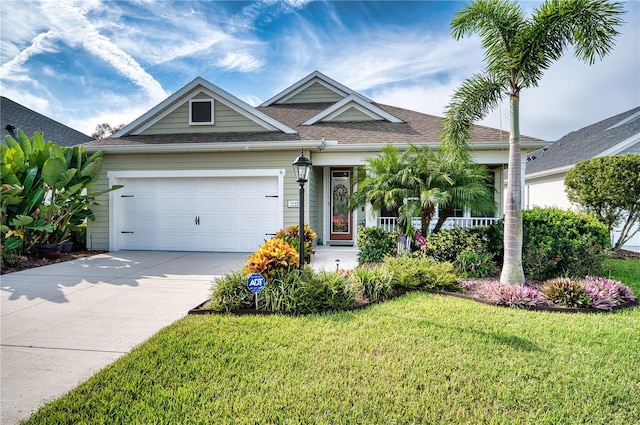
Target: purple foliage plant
[607, 293]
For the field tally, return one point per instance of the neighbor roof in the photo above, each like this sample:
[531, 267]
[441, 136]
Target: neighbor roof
[605, 137]
[17, 116]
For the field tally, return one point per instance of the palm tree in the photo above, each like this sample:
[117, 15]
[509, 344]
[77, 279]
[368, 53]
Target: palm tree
[379, 182]
[417, 181]
[517, 52]
[471, 189]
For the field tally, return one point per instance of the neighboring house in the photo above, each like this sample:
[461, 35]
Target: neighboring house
[14, 116]
[546, 169]
[205, 171]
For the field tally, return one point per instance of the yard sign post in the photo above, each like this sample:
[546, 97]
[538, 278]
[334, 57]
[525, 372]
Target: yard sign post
[255, 283]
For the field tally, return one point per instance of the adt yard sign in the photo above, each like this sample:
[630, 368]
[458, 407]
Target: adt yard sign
[255, 283]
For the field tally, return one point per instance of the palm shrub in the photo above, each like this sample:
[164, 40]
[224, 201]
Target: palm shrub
[420, 271]
[274, 258]
[375, 244]
[557, 243]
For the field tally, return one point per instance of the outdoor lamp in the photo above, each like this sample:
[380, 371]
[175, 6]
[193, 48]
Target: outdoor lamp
[301, 169]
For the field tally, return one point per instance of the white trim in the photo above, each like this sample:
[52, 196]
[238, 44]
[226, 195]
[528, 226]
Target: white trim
[630, 118]
[315, 76]
[266, 145]
[219, 94]
[619, 147]
[117, 177]
[357, 102]
[211, 121]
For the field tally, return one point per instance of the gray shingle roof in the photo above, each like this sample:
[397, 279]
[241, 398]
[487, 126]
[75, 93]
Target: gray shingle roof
[416, 128]
[585, 143]
[18, 116]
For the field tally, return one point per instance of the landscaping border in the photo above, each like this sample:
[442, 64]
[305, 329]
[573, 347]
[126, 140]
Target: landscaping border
[198, 310]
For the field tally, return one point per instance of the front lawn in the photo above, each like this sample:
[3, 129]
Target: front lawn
[421, 358]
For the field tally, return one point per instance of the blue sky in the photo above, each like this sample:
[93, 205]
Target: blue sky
[85, 62]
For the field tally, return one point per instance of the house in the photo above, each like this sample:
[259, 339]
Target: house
[14, 116]
[547, 168]
[205, 171]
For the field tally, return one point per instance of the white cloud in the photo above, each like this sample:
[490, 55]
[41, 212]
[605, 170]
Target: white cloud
[13, 68]
[72, 26]
[242, 62]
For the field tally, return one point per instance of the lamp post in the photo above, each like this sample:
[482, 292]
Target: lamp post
[301, 169]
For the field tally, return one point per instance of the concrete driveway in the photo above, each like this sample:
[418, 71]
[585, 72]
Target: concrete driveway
[62, 323]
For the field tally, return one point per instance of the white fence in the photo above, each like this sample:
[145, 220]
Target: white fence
[390, 224]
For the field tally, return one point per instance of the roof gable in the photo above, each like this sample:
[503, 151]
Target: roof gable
[252, 119]
[367, 112]
[314, 88]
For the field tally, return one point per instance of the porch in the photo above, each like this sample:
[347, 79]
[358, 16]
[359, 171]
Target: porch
[390, 224]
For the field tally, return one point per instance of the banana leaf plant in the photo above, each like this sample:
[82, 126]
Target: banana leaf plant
[45, 190]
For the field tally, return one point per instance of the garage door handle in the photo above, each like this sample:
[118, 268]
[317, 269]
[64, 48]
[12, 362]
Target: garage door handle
[126, 232]
[197, 221]
[269, 234]
[271, 196]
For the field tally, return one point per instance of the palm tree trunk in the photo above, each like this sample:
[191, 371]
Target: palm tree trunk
[512, 271]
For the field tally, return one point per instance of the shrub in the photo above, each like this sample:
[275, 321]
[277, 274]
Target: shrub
[556, 243]
[512, 295]
[566, 292]
[420, 271]
[445, 245]
[273, 259]
[375, 244]
[79, 237]
[373, 283]
[470, 263]
[230, 292]
[292, 236]
[307, 292]
[606, 293]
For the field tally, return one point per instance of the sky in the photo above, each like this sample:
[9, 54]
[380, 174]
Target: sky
[86, 62]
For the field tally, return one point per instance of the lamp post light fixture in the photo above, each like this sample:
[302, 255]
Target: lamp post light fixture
[301, 169]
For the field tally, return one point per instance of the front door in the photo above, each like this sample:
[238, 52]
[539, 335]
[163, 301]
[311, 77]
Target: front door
[341, 226]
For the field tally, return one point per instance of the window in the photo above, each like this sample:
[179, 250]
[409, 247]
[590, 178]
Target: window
[200, 111]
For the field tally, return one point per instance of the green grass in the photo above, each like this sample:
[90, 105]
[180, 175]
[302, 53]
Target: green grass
[421, 358]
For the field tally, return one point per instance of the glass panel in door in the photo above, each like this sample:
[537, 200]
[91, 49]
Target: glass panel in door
[341, 226]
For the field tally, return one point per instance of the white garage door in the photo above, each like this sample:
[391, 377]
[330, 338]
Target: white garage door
[226, 214]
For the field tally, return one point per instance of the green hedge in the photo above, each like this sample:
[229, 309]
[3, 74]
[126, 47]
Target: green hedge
[374, 244]
[556, 243]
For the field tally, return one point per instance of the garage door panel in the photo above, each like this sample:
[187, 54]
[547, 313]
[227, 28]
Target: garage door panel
[198, 214]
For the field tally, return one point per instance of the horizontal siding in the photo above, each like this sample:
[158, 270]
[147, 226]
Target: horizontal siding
[98, 230]
[352, 114]
[315, 93]
[315, 201]
[226, 120]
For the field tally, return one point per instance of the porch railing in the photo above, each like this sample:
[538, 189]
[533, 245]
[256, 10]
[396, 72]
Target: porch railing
[390, 224]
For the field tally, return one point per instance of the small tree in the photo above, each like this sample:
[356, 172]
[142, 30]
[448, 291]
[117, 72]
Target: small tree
[105, 130]
[609, 188]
